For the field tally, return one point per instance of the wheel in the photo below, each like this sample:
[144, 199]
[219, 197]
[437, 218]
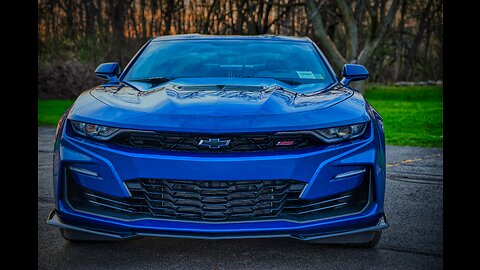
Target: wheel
[82, 237]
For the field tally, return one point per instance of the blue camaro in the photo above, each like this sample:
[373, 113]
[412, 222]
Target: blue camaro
[219, 137]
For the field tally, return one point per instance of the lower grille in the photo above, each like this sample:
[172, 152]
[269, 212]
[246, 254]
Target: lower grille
[213, 200]
[217, 201]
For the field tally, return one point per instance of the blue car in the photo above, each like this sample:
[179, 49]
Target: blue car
[220, 137]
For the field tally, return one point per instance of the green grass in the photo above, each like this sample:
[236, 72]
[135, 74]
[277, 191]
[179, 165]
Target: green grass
[50, 111]
[411, 115]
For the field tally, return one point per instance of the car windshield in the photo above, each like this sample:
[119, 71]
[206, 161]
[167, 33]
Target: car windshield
[292, 62]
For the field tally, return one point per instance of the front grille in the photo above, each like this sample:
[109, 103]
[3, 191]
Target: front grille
[213, 200]
[219, 201]
[213, 143]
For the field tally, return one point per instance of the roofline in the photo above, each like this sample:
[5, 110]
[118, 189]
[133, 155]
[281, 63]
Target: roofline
[230, 37]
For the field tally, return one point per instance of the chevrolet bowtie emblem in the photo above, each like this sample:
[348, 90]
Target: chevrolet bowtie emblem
[214, 143]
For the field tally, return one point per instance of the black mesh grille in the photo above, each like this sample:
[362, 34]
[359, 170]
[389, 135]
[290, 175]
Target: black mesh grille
[213, 200]
[219, 201]
[213, 143]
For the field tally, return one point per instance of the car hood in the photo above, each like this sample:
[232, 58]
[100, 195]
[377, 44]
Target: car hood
[220, 105]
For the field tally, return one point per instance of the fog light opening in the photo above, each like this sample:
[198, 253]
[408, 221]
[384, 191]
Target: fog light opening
[84, 171]
[350, 173]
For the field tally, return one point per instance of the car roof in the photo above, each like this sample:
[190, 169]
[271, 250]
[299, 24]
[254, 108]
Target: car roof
[231, 37]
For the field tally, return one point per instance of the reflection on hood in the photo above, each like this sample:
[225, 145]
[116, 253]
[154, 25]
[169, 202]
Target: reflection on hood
[173, 98]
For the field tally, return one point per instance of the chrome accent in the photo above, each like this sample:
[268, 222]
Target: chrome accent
[109, 206]
[84, 171]
[301, 193]
[327, 201]
[106, 199]
[350, 173]
[214, 143]
[322, 208]
[126, 188]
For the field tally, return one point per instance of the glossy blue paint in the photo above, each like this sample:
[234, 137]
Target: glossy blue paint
[218, 107]
[353, 72]
[109, 71]
[116, 164]
[217, 111]
[276, 228]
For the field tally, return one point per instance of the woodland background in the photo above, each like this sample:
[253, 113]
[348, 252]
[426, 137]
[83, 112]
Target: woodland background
[397, 40]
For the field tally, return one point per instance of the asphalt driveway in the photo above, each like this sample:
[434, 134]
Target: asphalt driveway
[414, 240]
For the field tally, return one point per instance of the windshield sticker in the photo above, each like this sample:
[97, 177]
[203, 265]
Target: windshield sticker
[318, 76]
[305, 75]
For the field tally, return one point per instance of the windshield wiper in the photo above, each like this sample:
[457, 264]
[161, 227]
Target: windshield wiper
[154, 81]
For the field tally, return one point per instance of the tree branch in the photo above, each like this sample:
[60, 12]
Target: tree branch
[327, 45]
[351, 30]
[285, 11]
[372, 42]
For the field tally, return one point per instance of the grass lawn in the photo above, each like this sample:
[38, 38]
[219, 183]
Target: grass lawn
[412, 115]
[50, 111]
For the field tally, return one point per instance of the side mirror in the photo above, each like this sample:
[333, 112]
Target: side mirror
[108, 71]
[353, 72]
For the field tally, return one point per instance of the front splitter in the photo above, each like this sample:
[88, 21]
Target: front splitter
[353, 236]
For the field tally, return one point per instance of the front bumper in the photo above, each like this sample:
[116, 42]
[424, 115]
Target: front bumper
[338, 236]
[317, 168]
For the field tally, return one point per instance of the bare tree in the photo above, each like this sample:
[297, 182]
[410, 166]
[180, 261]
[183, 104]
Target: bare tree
[380, 21]
[395, 39]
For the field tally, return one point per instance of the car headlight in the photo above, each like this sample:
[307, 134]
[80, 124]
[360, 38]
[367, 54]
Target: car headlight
[94, 131]
[337, 134]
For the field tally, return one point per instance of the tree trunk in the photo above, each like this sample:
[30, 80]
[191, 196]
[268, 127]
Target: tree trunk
[418, 38]
[326, 44]
[168, 17]
[351, 30]
[397, 66]
[90, 13]
[118, 13]
[206, 24]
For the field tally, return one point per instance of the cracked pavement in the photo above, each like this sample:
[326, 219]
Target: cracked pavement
[414, 240]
